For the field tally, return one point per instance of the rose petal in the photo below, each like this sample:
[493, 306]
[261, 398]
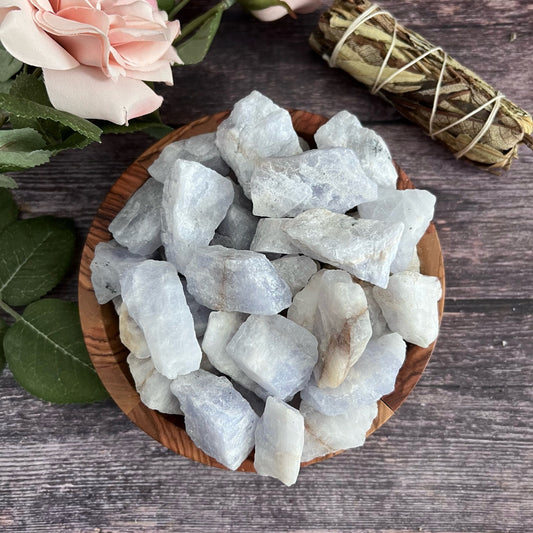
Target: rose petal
[276, 12]
[86, 92]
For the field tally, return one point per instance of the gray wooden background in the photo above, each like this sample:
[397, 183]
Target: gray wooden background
[457, 457]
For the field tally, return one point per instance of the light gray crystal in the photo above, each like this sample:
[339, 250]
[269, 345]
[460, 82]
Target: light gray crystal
[239, 226]
[217, 418]
[373, 376]
[153, 294]
[414, 208]
[377, 320]
[304, 304]
[409, 305]
[200, 148]
[138, 225]
[256, 128]
[275, 352]
[279, 441]
[344, 129]
[270, 236]
[131, 335]
[329, 434]
[364, 248]
[414, 264]
[153, 387]
[200, 313]
[195, 201]
[236, 280]
[295, 270]
[110, 260]
[331, 178]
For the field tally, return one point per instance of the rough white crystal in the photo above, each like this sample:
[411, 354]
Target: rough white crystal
[200, 313]
[414, 264]
[373, 376]
[409, 305]
[256, 128]
[270, 236]
[195, 201]
[110, 260]
[275, 352]
[239, 226]
[331, 178]
[138, 225]
[377, 320]
[153, 294]
[279, 441]
[131, 335]
[200, 148]
[217, 418]
[304, 304]
[344, 129]
[295, 270]
[329, 434]
[364, 248]
[413, 207]
[153, 387]
[236, 280]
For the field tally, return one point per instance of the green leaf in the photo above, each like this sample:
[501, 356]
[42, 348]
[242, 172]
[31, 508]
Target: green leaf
[8, 64]
[165, 5]
[5, 86]
[25, 108]
[6, 182]
[154, 129]
[75, 140]
[8, 209]
[194, 49]
[46, 353]
[3, 330]
[21, 149]
[35, 255]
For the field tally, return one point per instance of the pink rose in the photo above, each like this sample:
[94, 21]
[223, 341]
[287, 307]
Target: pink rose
[275, 12]
[94, 53]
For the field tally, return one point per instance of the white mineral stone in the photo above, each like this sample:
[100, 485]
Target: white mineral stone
[409, 305]
[331, 178]
[153, 387]
[414, 264]
[304, 304]
[372, 376]
[110, 260]
[200, 313]
[364, 248]
[153, 294]
[236, 280]
[138, 225]
[200, 148]
[217, 418]
[329, 434]
[256, 128]
[131, 335]
[413, 207]
[295, 270]
[377, 320]
[279, 441]
[304, 145]
[195, 201]
[239, 227]
[117, 303]
[270, 236]
[345, 130]
[275, 352]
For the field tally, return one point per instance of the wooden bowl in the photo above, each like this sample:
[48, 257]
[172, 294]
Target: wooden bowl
[100, 322]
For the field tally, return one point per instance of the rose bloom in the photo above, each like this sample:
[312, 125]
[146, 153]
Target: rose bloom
[93, 53]
[275, 12]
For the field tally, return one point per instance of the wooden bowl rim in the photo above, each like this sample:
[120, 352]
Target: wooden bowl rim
[100, 322]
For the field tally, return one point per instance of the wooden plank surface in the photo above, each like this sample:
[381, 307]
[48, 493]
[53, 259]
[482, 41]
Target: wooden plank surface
[457, 457]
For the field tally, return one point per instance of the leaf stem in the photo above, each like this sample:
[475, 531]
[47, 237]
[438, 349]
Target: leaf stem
[177, 8]
[10, 311]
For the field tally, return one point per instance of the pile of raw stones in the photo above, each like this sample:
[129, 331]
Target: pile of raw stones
[255, 300]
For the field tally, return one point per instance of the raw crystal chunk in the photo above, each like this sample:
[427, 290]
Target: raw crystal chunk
[409, 305]
[217, 418]
[195, 201]
[200, 313]
[153, 387]
[239, 226]
[414, 264]
[295, 270]
[332, 178]
[279, 441]
[275, 352]
[304, 304]
[413, 207]
[200, 148]
[257, 403]
[344, 129]
[377, 320]
[256, 128]
[153, 294]
[270, 236]
[329, 434]
[110, 260]
[138, 225]
[373, 376]
[236, 280]
[131, 335]
[364, 248]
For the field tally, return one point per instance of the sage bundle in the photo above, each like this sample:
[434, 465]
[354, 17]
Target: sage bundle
[427, 86]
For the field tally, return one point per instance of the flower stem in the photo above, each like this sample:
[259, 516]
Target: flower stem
[10, 311]
[177, 8]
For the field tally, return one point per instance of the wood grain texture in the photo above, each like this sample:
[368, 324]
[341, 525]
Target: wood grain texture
[456, 458]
